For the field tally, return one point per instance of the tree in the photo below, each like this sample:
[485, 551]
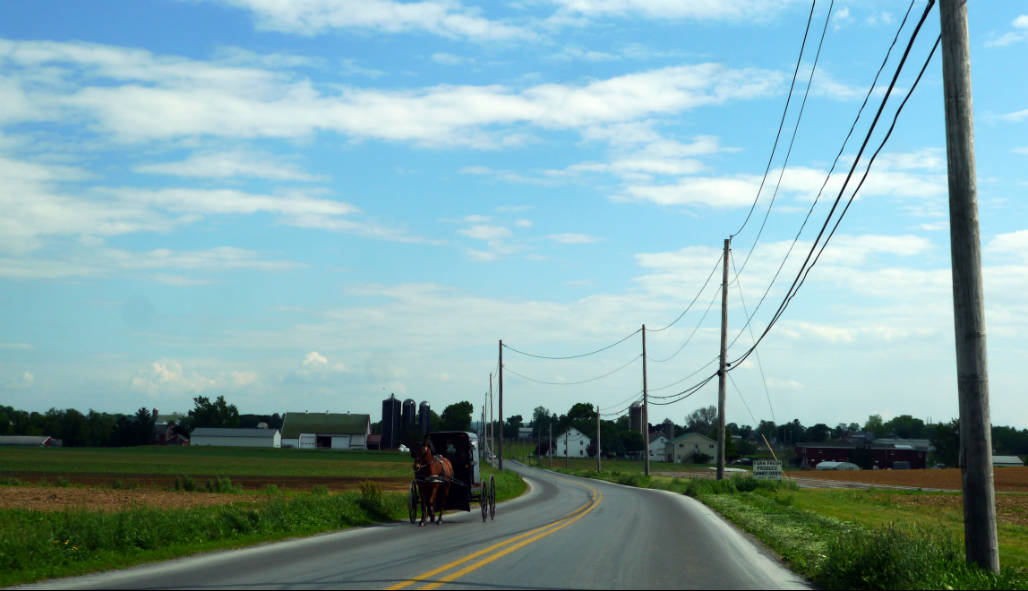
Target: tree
[819, 432]
[768, 429]
[945, 438]
[905, 426]
[456, 417]
[510, 430]
[703, 420]
[875, 425]
[213, 414]
[541, 422]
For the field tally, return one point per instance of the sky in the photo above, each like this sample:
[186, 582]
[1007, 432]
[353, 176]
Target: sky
[311, 204]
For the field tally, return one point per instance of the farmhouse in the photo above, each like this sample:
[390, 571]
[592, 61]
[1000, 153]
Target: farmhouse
[232, 437]
[660, 447]
[326, 430]
[576, 444]
[686, 445]
[30, 440]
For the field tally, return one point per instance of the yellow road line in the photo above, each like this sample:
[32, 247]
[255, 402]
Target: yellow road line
[506, 551]
[538, 532]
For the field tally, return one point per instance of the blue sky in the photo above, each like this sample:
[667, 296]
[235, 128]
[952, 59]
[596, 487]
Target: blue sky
[311, 204]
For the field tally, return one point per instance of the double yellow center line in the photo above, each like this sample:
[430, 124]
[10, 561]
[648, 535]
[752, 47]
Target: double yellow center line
[486, 555]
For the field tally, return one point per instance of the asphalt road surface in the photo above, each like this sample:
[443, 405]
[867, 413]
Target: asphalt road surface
[568, 533]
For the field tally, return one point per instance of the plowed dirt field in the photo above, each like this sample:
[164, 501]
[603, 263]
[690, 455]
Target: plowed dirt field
[1006, 479]
[50, 498]
[166, 481]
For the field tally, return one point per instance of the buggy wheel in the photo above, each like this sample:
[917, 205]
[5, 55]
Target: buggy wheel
[492, 499]
[412, 502]
[483, 500]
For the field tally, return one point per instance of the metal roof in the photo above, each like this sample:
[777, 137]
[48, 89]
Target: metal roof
[232, 432]
[324, 423]
[39, 440]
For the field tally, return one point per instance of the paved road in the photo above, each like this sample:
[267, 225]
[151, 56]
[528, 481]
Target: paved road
[565, 533]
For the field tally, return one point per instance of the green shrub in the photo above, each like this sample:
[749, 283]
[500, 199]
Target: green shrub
[184, 484]
[10, 481]
[119, 484]
[222, 484]
[272, 489]
[62, 482]
[321, 489]
[371, 498]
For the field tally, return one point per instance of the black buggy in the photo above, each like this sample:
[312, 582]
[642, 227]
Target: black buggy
[467, 485]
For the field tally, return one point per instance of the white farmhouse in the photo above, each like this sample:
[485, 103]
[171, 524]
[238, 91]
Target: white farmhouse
[233, 437]
[688, 444]
[659, 448]
[326, 430]
[574, 445]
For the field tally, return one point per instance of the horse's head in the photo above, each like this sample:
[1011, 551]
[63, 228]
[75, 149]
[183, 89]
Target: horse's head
[422, 455]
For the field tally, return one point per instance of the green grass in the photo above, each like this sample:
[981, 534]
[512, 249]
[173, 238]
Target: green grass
[207, 461]
[36, 545]
[848, 539]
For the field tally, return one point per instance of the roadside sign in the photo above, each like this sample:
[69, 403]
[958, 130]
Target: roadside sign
[767, 469]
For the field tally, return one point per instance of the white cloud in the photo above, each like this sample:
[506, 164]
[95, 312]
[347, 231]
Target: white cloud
[1016, 116]
[315, 359]
[16, 347]
[486, 232]
[448, 59]
[439, 17]
[229, 165]
[569, 238]
[1009, 245]
[523, 223]
[698, 10]
[1020, 33]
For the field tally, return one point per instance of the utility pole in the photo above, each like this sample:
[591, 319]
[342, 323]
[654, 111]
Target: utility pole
[492, 428]
[501, 404]
[981, 545]
[645, 412]
[598, 438]
[721, 373]
[549, 449]
[566, 453]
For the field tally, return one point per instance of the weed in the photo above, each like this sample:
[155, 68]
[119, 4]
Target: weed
[371, 498]
[321, 489]
[222, 484]
[10, 481]
[62, 482]
[119, 484]
[184, 484]
[272, 489]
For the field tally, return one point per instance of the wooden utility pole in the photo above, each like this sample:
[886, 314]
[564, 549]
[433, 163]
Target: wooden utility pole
[549, 449]
[492, 429]
[566, 448]
[598, 468]
[981, 545]
[645, 412]
[501, 404]
[721, 374]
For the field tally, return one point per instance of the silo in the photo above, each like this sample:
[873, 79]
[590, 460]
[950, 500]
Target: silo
[424, 414]
[390, 422]
[635, 417]
[407, 416]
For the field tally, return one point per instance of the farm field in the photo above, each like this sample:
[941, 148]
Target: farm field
[251, 468]
[1006, 479]
[52, 498]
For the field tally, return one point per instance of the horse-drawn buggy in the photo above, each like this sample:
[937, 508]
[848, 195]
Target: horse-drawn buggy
[447, 476]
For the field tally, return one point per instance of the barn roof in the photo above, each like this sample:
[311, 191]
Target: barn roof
[324, 423]
[30, 440]
[232, 432]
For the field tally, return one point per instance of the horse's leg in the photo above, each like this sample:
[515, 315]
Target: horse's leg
[442, 501]
[431, 503]
[424, 510]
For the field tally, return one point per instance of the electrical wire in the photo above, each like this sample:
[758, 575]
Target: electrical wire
[694, 330]
[593, 379]
[760, 365]
[558, 357]
[696, 297]
[781, 123]
[680, 380]
[792, 141]
[688, 391]
[743, 399]
[828, 177]
[807, 264]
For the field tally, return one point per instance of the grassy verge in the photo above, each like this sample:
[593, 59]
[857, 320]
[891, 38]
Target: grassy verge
[833, 551]
[38, 545]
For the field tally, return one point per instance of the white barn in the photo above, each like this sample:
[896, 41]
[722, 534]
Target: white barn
[576, 441]
[235, 437]
[659, 448]
[314, 430]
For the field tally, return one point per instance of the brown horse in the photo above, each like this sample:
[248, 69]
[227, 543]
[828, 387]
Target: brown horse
[433, 474]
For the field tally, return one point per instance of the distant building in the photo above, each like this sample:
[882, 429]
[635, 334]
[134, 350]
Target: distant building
[635, 422]
[235, 437]
[882, 454]
[316, 430]
[660, 447]
[424, 416]
[29, 441]
[392, 426]
[686, 445]
[1006, 461]
[576, 442]
[525, 433]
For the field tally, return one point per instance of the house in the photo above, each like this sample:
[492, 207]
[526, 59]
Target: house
[235, 437]
[315, 430]
[660, 447]
[576, 444]
[29, 441]
[164, 429]
[1006, 461]
[374, 441]
[686, 445]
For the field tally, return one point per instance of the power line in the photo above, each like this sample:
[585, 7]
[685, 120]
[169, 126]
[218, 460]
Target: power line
[807, 264]
[743, 399]
[781, 123]
[688, 391]
[694, 330]
[680, 380]
[593, 379]
[792, 140]
[558, 357]
[828, 177]
[760, 366]
[696, 297]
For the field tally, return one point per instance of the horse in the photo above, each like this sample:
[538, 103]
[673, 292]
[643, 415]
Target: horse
[433, 474]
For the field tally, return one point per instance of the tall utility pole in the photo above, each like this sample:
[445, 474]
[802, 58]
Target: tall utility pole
[598, 438]
[981, 545]
[721, 374]
[566, 453]
[549, 449]
[501, 404]
[645, 412]
[492, 429]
